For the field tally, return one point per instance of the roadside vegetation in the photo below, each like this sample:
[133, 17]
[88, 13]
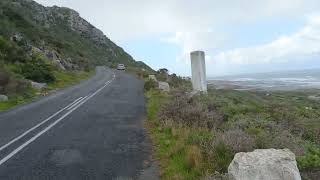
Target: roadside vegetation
[39, 44]
[25, 18]
[17, 68]
[197, 137]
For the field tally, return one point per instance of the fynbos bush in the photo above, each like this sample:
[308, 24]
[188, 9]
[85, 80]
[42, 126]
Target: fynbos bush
[187, 111]
[236, 139]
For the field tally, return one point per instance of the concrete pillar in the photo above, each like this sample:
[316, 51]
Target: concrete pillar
[198, 68]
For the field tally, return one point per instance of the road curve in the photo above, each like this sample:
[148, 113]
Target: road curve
[90, 131]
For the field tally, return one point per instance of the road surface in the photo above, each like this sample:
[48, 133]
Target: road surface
[90, 131]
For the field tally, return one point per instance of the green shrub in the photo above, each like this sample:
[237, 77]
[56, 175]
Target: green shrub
[150, 84]
[311, 160]
[10, 52]
[222, 157]
[38, 69]
[199, 137]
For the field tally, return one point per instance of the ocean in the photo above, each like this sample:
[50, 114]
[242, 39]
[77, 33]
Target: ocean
[282, 81]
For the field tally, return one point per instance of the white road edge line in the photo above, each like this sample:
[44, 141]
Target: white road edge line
[47, 128]
[33, 128]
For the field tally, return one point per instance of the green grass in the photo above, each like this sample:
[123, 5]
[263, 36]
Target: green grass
[173, 144]
[155, 99]
[17, 100]
[63, 80]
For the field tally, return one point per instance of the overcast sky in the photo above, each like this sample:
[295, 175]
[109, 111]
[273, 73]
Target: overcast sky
[238, 36]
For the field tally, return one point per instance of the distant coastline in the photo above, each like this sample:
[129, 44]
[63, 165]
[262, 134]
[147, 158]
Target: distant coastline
[282, 81]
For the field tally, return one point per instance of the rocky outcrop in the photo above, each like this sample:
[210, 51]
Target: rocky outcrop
[50, 16]
[264, 164]
[3, 98]
[66, 23]
[55, 57]
[16, 38]
[86, 29]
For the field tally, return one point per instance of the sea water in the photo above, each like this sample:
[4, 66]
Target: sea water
[291, 80]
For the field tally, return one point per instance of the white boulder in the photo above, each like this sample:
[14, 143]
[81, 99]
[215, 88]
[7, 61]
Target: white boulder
[264, 164]
[38, 86]
[153, 77]
[164, 86]
[3, 98]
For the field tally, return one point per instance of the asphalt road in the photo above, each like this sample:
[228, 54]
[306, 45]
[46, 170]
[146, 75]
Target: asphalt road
[90, 131]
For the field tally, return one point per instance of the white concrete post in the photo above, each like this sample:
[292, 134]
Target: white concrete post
[198, 68]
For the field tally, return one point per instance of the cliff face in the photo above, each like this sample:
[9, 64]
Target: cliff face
[63, 32]
[51, 16]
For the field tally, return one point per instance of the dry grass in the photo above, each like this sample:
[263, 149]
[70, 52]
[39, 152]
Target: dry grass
[194, 157]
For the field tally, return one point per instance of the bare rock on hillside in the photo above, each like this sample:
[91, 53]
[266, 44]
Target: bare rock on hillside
[264, 164]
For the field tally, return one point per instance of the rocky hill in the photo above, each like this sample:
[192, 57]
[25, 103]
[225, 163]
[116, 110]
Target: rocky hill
[61, 35]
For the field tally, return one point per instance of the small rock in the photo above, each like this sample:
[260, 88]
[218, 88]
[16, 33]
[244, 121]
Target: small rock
[3, 98]
[164, 86]
[38, 86]
[308, 108]
[264, 164]
[16, 38]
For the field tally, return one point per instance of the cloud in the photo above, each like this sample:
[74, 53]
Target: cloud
[194, 25]
[303, 44]
[127, 19]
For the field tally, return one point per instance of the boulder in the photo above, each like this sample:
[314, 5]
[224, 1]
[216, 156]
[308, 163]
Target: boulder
[153, 77]
[3, 98]
[264, 164]
[38, 86]
[59, 65]
[164, 86]
[16, 38]
[55, 58]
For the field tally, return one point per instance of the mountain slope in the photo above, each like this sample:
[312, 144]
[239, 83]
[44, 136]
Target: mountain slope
[50, 45]
[61, 34]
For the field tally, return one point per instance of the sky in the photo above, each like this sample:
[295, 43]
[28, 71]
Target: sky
[238, 36]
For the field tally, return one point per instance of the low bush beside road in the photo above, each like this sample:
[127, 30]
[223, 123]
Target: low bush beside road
[197, 137]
